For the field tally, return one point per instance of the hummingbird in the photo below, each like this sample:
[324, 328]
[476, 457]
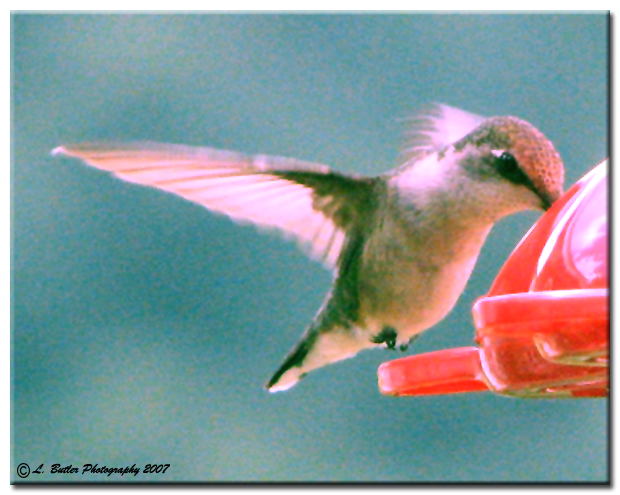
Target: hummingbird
[401, 245]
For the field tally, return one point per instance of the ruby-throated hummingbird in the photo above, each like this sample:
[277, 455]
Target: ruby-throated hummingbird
[402, 245]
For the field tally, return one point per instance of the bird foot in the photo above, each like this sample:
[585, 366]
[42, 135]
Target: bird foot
[404, 347]
[388, 336]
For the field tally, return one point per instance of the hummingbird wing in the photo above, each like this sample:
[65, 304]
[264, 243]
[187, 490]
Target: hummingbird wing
[438, 127]
[306, 201]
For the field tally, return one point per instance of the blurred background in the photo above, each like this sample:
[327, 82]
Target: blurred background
[144, 327]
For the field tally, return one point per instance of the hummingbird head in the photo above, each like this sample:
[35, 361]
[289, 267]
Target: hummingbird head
[508, 154]
[484, 168]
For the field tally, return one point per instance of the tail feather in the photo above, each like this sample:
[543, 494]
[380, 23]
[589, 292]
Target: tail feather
[317, 348]
[292, 364]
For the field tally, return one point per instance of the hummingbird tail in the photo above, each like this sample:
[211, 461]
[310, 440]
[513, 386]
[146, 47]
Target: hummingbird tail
[290, 372]
[317, 348]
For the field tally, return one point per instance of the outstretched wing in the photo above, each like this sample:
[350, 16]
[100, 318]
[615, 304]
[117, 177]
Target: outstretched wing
[305, 201]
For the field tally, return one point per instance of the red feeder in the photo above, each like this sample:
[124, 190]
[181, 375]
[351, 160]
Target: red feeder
[543, 328]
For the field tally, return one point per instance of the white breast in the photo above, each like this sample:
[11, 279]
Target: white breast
[413, 272]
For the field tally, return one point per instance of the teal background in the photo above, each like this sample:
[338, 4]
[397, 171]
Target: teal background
[144, 327]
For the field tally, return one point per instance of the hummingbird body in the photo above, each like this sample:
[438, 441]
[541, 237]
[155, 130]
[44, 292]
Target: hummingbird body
[402, 245]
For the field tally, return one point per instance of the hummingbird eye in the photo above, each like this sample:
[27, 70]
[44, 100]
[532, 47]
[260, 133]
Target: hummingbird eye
[507, 166]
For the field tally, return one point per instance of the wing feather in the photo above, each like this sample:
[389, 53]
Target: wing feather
[437, 127]
[306, 201]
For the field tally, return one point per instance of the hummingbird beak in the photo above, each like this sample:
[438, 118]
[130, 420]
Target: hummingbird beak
[547, 199]
[546, 203]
